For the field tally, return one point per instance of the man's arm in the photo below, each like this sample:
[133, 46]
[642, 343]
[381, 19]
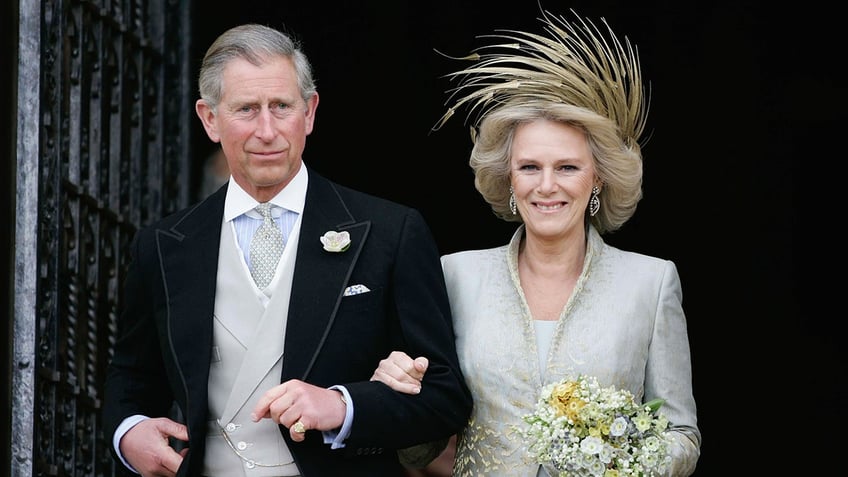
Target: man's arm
[425, 328]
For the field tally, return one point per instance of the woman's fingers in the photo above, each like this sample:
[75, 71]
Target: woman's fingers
[401, 373]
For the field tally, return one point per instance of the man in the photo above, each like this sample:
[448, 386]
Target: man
[270, 372]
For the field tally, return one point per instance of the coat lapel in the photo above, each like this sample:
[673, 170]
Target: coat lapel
[320, 277]
[189, 261]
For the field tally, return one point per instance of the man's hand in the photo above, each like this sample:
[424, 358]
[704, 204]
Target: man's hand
[146, 447]
[401, 373]
[295, 401]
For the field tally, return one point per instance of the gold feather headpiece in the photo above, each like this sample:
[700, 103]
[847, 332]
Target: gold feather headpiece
[576, 65]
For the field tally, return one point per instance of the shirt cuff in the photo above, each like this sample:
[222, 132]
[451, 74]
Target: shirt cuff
[125, 426]
[336, 438]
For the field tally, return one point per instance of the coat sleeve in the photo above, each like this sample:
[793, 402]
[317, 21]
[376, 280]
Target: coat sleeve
[669, 374]
[421, 326]
[136, 382]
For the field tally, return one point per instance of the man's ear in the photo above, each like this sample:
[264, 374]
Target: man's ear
[207, 118]
[311, 108]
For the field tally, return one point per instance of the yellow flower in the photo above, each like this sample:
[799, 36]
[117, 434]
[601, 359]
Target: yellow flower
[564, 391]
[604, 426]
[564, 401]
[573, 409]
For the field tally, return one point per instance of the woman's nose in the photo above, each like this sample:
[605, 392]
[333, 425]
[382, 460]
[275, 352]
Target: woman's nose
[547, 181]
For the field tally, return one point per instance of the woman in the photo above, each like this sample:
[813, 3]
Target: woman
[557, 151]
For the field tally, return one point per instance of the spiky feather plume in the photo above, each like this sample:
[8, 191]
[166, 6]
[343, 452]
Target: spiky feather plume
[576, 65]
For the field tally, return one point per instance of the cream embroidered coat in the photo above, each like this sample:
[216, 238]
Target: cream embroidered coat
[624, 324]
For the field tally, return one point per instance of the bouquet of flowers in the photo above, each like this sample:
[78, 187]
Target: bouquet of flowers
[583, 429]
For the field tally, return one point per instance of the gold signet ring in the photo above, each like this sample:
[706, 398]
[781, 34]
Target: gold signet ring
[299, 427]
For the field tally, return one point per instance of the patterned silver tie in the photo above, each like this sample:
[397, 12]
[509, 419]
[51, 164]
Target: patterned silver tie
[266, 247]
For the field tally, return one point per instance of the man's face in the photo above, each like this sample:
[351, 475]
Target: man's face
[262, 123]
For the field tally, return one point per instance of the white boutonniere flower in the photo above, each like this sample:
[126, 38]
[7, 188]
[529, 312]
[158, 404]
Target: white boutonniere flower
[335, 241]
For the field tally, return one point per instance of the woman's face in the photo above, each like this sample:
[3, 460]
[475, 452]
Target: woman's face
[552, 174]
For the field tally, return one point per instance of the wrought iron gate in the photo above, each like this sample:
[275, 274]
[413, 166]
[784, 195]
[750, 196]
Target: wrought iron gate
[103, 147]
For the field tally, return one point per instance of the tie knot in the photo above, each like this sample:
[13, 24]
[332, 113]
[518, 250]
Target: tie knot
[264, 209]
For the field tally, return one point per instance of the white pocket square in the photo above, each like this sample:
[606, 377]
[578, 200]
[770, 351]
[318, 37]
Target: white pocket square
[356, 290]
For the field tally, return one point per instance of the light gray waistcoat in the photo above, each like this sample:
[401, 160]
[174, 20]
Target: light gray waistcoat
[247, 361]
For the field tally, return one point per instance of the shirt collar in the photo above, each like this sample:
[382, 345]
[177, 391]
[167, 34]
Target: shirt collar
[292, 197]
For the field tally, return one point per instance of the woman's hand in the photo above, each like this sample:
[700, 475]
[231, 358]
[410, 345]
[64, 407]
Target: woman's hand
[401, 373]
